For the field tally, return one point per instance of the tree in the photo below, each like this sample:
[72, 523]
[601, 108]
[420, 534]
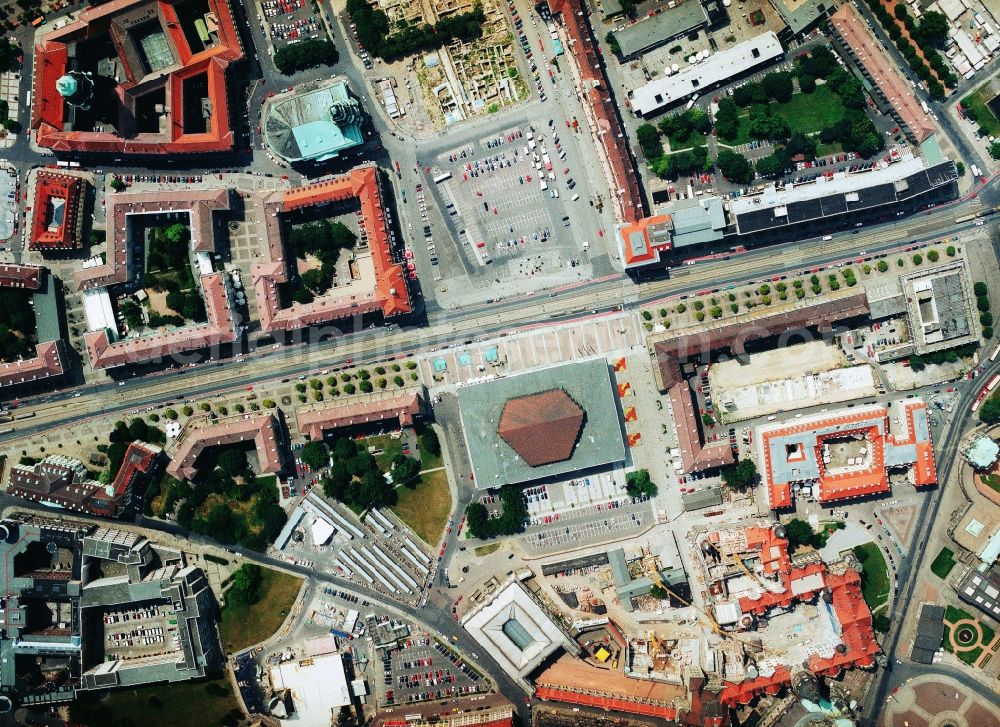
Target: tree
[404, 469]
[307, 54]
[852, 93]
[881, 623]
[638, 484]
[727, 119]
[232, 461]
[735, 167]
[979, 289]
[995, 150]
[658, 592]
[649, 142]
[117, 184]
[778, 86]
[807, 83]
[799, 533]
[429, 442]
[245, 587]
[177, 233]
[315, 455]
[771, 166]
[741, 475]
[989, 412]
[933, 28]
[749, 94]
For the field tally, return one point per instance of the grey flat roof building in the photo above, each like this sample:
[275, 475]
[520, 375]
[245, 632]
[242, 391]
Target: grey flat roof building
[662, 28]
[585, 384]
[930, 632]
[981, 590]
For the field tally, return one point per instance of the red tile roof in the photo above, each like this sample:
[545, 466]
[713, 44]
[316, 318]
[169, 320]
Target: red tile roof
[314, 422]
[695, 456]
[218, 331]
[51, 189]
[542, 428]
[870, 424]
[202, 433]
[48, 113]
[200, 204]
[390, 295]
[21, 276]
[628, 200]
[48, 482]
[854, 31]
[859, 646]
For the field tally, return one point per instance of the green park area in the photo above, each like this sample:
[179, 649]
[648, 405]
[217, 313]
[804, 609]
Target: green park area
[874, 576]
[416, 489]
[172, 291]
[257, 602]
[966, 635]
[813, 112]
[944, 561]
[207, 702]
[425, 507]
[977, 108]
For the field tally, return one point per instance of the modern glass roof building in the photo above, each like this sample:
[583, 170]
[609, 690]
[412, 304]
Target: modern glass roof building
[314, 123]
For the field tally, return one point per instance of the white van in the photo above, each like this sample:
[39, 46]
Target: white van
[574, 198]
[543, 184]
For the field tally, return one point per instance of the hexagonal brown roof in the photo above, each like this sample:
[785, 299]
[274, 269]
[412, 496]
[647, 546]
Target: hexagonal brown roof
[542, 428]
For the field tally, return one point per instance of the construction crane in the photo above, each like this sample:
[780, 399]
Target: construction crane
[743, 567]
[712, 623]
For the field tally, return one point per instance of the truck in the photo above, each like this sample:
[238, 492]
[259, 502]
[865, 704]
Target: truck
[547, 162]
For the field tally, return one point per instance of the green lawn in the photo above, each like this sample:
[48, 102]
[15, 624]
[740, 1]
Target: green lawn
[390, 448]
[943, 563]
[425, 508]
[805, 113]
[428, 461]
[204, 702]
[811, 112]
[875, 578]
[823, 150]
[244, 626]
[692, 141]
[955, 614]
[976, 103]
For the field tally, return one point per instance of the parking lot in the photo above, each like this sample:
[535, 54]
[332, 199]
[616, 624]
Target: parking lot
[291, 21]
[422, 669]
[509, 198]
[9, 186]
[588, 528]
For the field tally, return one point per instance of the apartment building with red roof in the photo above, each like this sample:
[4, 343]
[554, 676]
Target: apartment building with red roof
[313, 423]
[49, 360]
[202, 433]
[697, 455]
[887, 82]
[846, 454]
[389, 295]
[63, 482]
[630, 206]
[57, 212]
[137, 77]
[104, 348]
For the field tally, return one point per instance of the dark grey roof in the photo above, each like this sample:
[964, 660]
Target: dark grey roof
[840, 202]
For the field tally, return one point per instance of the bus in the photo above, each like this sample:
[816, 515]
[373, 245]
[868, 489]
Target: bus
[442, 177]
[996, 352]
[993, 384]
